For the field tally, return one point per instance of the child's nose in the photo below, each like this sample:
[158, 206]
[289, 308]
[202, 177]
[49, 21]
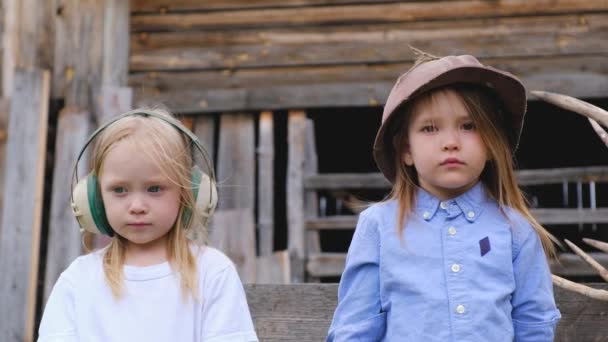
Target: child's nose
[138, 205]
[451, 140]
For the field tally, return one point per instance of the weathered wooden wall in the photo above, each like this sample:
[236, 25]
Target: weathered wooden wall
[242, 55]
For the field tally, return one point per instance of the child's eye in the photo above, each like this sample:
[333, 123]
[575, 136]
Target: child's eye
[119, 190]
[469, 126]
[429, 129]
[154, 188]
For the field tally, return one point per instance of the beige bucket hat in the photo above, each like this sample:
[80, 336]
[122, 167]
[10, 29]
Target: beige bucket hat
[439, 72]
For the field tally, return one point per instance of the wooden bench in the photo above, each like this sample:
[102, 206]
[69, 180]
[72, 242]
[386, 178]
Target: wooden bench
[303, 312]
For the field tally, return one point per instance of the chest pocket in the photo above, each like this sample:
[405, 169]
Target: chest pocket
[490, 252]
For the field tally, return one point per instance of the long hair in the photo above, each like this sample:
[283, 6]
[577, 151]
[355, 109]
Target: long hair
[170, 150]
[498, 175]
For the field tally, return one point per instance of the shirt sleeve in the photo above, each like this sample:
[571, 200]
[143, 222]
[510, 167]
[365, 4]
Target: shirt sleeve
[226, 314]
[358, 316]
[534, 314]
[58, 321]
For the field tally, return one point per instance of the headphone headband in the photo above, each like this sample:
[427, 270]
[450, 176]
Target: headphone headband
[142, 112]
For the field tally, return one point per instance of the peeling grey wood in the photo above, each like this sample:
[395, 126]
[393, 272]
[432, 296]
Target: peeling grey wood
[23, 196]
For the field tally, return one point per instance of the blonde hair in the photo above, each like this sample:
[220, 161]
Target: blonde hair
[170, 150]
[498, 176]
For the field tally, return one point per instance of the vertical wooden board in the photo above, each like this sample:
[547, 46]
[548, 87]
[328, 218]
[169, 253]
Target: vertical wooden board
[9, 45]
[4, 108]
[295, 191]
[78, 50]
[64, 238]
[236, 163]
[236, 177]
[113, 100]
[265, 184]
[116, 42]
[204, 129]
[310, 201]
[232, 231]
[273, 268]
[23, 196]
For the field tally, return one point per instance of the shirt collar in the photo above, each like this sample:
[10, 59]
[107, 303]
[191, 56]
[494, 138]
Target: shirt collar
[470, 204]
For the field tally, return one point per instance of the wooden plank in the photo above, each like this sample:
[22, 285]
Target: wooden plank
[116, 43]
[303, 312]
[64, 239]
[525, 177]
[328, 264]
[113, 100]
[546, 216]
[4, 110]
[235, 174]
[583, 319]
[265, 192]
[296, 141]
[299, 312]
[273, 268]
[335, 94]
[236, 163]
[232, 231]
[166, 6]
[368, 13]
[166, 81]
[204, 129]
[311, 206]
[29, 29]
[512, 37]
[23, 196]
[78, 48]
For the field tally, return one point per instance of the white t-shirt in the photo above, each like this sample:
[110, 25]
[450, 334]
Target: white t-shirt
[152, 308]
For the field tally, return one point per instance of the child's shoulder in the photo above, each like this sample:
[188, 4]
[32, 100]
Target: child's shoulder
[380, 209]
[211, 260]
[521, 228]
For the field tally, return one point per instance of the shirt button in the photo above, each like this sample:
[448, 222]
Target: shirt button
[426, 215]
[460, 309]
[470, 214]
[452, 231]
[455, 268]
[443, 205]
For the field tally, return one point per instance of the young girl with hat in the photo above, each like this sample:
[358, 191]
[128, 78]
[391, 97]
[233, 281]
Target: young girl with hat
[453, 254]
[152, 282]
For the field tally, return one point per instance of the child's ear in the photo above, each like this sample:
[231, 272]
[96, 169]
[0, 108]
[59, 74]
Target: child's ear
[407, 158]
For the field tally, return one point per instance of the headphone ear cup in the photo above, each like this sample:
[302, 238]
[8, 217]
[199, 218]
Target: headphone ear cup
[205, 194]
[88, 208]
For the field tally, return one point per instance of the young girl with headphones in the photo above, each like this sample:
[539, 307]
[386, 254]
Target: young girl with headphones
[151, 283]
[453, 254]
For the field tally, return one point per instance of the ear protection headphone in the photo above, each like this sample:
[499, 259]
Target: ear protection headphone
[86, 200]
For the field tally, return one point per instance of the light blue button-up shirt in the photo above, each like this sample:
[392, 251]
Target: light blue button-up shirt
[462, 272]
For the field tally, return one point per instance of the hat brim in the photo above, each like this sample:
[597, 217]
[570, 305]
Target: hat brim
[507, 88]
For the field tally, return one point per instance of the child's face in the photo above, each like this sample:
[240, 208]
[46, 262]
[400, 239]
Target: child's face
[444, 145]
[141, 203]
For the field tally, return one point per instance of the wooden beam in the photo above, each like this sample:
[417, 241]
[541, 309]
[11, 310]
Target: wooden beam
[236, 177]
[311, 200]
[346, 94]
[23, 196]
[172, 81]
[361, 13]
[116, 20]
[78, 49]
[332, 264]
[303, 312]
[28, 34]
[265, 191]
[273, 268]
[4, 112]
[296, 141]
[64, 242]
[166, 6]
[233, 232]
[334, 181]
[512, 37]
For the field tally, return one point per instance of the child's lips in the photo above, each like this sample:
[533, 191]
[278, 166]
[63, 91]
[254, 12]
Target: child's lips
[452, 161]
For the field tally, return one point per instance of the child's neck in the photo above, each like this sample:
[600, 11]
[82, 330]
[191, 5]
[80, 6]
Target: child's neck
[138, 255]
